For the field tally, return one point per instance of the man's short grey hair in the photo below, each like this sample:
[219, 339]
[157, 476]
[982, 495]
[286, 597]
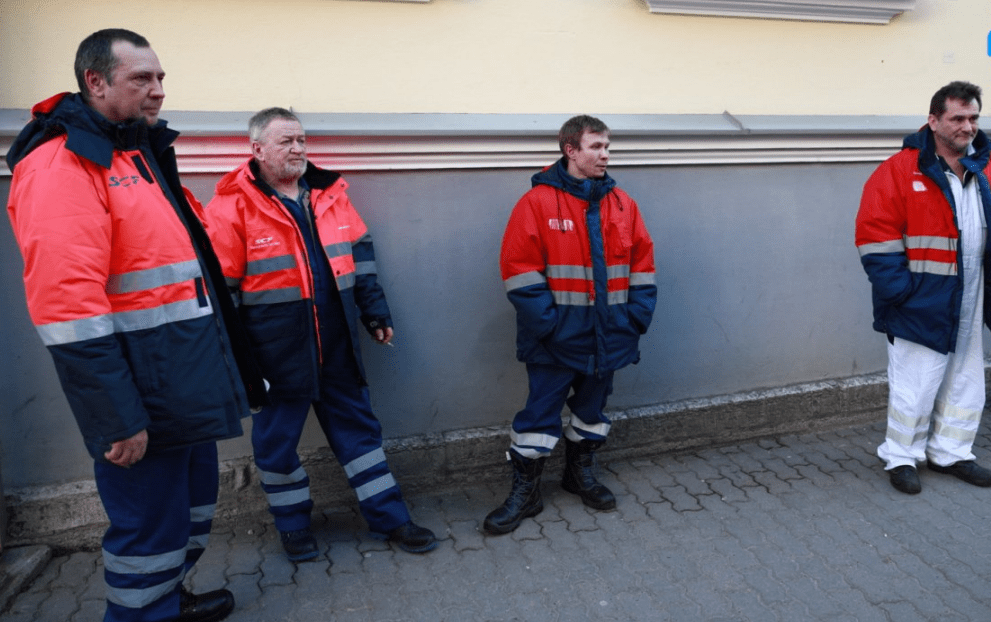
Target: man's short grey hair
[260, 121]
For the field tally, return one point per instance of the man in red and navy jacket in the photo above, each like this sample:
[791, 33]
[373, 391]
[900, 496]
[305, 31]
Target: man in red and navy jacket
[578, 265]
[922, 237]
[129, 298]
[301, 261]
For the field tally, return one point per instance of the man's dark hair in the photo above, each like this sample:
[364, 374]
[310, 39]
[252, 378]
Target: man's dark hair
[261, 119]
[574, 128]
[963, 91]
[96, 53]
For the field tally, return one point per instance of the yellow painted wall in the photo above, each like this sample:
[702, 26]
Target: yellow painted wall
[504, 56]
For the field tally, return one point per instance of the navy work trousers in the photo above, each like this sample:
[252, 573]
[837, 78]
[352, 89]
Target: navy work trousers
[345, 414]
[537, 428]
[160, 511]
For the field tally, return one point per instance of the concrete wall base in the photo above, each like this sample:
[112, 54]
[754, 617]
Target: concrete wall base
[71, 517]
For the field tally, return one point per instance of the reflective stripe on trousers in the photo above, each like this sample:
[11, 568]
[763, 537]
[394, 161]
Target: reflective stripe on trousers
[537, 428]
[160, 511]
[355, 436]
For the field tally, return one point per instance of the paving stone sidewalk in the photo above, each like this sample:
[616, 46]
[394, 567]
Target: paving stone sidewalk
[793, 528]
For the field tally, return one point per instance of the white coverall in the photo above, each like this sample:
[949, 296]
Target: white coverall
[946, 390]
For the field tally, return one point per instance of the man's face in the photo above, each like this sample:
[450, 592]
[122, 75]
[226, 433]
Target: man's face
[135, 90]
[956, 128]
[281, 151]
[591, 158]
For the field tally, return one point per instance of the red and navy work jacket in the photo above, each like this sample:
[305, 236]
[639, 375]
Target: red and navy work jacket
[264, 258]
[908, 239]
[119, 277]
[578, 265]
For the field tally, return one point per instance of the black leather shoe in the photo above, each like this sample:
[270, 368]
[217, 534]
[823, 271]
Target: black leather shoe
[413, 539]
[905, 479]
[300, 545]
[967, 470]
[206, 607]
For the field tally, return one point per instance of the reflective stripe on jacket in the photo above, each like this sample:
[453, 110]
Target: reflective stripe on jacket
[116, 284]
[578, 265]
[264, 259]
[908, 238]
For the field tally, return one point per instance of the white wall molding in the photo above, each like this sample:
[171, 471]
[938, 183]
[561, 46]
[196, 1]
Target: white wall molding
[217, 142]
[851, 11]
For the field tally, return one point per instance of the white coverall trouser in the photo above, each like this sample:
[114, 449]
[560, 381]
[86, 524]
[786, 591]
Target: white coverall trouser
[946, 390]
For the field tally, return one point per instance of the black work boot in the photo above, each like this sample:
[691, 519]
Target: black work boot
[524, 499]
[579, 475]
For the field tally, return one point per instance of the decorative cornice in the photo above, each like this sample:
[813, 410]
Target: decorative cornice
[855, 11]
[217, 142]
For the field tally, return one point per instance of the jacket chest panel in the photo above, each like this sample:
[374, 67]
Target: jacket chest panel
[927, 210]
[146, 231]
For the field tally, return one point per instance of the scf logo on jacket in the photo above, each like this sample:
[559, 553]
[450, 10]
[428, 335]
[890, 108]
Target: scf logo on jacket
[264, 242]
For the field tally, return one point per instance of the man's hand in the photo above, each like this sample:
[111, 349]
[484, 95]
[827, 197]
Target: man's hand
[128, 451]
[384, 335]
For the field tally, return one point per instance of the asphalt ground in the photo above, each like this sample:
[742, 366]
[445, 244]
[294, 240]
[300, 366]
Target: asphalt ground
[799, 527]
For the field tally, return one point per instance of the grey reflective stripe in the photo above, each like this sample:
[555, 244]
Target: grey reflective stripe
[599, 429]
[136, 599]
[524, 280]
[232, 282]
[153, 277]
[941, 268]
[642, 278]
[533, 439]
[145, 564]
[271, 264]
[280, 479]
[61, 333]
[198, 542]
[569, 272]
[934, 242]
[290, 497]
[375, 486]
[345, 281]
[365, 267]
[338, 250]
[202, 513]
[71, 331]
[363, 463]
[575, 299]
[126, 321]
[271, 296]
[617, 272]
[891, 246]
[618, 298]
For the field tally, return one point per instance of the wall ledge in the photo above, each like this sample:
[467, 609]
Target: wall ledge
[848, 11]
[69, 517]
[213, 142]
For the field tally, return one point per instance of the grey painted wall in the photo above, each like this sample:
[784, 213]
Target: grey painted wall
[759, 284]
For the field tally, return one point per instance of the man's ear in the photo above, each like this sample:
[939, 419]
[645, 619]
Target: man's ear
[570, 151]
[96, 83]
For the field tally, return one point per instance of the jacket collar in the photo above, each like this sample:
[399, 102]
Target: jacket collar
[557, 176]
[925, 143]
[89, 134]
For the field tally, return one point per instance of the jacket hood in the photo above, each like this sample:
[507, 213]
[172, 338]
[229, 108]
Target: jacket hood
[88, 134]
[248, 173]
[925, 143]
[556, 175]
